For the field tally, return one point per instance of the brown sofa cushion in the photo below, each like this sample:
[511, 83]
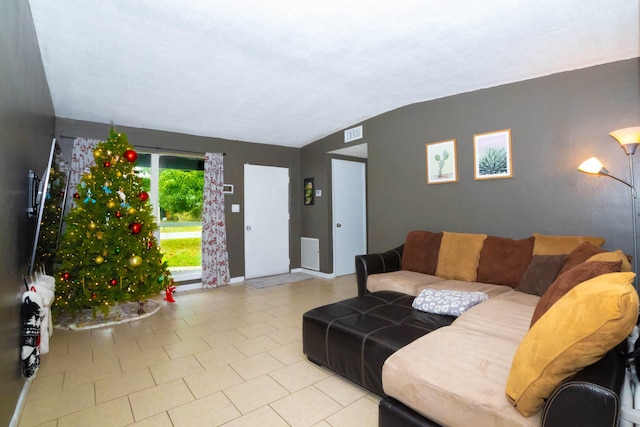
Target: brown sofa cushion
[567, 280]
[583, 252]
[503, 261]
[459, 256]
[542, 271]
[420, 253]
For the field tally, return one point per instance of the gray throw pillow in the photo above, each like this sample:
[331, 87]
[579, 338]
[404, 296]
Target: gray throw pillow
[541, 273]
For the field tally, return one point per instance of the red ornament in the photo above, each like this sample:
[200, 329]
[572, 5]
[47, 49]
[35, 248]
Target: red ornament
[149, 244]
[113, 282]
[76, 195]
[93, 295]
[66, 275]
[144, 196]
[118, 214]
[131, 156]
[135, 227]
[61, 193]
[106, 164]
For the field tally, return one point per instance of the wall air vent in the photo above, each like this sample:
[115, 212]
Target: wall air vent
[353, 134]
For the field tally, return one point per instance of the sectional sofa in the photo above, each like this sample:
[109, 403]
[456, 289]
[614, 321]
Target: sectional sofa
[459, 329]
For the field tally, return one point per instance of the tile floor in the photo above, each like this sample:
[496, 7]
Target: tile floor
[229, 356]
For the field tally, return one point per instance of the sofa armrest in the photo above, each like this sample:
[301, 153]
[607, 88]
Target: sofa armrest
[376, 263]
[589, 398]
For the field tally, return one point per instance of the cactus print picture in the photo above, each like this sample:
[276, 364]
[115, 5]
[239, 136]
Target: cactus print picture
[442, 165]
[492, 155]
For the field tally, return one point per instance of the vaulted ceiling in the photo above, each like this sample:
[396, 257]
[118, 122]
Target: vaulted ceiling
[288, 72]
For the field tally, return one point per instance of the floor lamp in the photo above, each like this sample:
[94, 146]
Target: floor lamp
[629, 139]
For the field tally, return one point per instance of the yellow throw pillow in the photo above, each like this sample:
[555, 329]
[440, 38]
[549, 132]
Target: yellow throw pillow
[577, 331]
[459, 256]
[614, 256]
[558, 245]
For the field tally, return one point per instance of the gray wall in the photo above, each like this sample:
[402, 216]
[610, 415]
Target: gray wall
[556, 122]
[26, 130]
[237, 154]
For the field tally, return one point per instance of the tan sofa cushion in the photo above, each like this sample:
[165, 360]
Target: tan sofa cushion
[404, 281]
[461, 285]
[556, 245]
[499, 318]
[469, 392]
[459, 256]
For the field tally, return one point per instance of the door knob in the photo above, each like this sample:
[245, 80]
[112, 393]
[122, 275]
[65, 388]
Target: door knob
[338, 225]
[248, 228]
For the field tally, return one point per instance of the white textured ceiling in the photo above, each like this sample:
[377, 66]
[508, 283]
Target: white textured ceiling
[288, 72]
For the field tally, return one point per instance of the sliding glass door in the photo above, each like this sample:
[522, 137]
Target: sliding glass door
[175, 185]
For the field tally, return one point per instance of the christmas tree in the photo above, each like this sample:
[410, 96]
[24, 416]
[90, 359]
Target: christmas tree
[108, 252]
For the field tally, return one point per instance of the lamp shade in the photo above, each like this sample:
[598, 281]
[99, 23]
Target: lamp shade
[593, 166]
[629, 138]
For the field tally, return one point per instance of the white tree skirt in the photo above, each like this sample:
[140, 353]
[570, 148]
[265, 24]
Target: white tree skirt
[119, 313]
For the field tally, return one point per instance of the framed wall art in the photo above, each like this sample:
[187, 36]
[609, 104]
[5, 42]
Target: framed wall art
[442, 162]
[308, 191]
[492, 155]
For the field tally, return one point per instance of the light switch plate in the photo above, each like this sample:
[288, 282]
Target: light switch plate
[318, 193]
[235, 207]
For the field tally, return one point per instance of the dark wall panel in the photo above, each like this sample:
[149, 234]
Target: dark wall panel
[26, 129]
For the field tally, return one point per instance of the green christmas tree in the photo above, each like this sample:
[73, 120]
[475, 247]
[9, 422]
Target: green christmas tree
[108, 252]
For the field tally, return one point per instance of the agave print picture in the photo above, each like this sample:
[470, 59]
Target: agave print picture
[492, 155]
[442, 163]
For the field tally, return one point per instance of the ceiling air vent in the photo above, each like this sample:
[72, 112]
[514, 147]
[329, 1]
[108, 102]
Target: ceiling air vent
[353, 134]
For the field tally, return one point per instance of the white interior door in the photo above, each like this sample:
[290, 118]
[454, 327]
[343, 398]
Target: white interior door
[349, 214]
[266, 221]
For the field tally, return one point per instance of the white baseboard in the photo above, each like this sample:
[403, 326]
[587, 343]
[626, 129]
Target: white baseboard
[20, 405]
[317, 273]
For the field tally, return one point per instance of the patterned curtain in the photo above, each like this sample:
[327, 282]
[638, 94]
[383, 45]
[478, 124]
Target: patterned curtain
[81, 161]
[215, 259]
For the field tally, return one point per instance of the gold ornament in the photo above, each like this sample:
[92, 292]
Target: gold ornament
[97, 153]
[105, 252]
[99, 259]
[131, 210]
[92, 226]
[99, 235]
[111, 204]
[135, 261]
[118, 174]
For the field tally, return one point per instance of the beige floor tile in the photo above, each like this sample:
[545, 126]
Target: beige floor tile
[114, 413]
[160, 420]
[263, 417]
[306, 407]
[38, 411]
[223, 338]
[256, 366]
[90, 372]
[143, 359]
[123, 384]
[147, 342]
[286, 336]
[298, 376]
[212, 410]
[158, 399]
[213, 380]
[125, 332]
[193, 332]
[253, 394]
[362, 413]
[101, 354]
[53, 364]
[256, 329]
[287, 321]
[186, 348]
[341, 390]
[46, 385]
[165, 325]
[289, 354]
[172, 370]
[256, 345]
[219, 356]
[228, 324]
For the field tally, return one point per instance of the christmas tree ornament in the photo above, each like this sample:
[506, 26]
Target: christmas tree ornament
[131, 156]
[117, 250]
[113, 282]
[97, 153]
[105, 252]
[99, 259]
[111, 204]
[135, 227]
[131, 210]
[118, 214]
[92, 226]
[144, 196]
[106, 188]
[99, 235]
[135, 261]
[106, 164]
[76, 195]
[66, 275]
[119, 174]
